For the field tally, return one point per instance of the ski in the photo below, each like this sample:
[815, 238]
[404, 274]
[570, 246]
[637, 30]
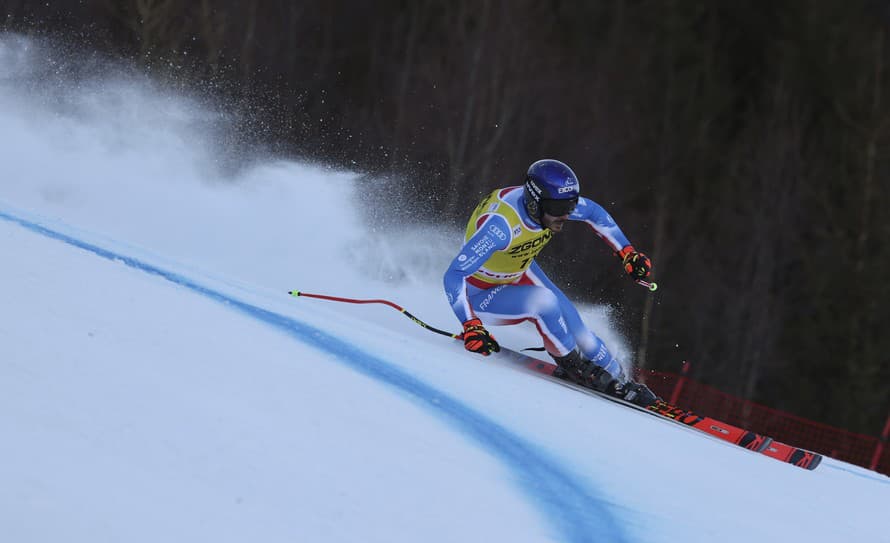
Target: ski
[710, 426]
[665, 411]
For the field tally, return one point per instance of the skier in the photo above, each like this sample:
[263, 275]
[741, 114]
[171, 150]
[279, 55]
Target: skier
[495, 277]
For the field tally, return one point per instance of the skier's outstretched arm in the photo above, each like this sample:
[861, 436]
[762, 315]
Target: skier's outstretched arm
[635, 263]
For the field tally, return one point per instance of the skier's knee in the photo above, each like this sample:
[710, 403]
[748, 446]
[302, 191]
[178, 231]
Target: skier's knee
[545, 303]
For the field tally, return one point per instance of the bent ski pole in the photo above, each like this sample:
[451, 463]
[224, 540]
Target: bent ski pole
[297, 294]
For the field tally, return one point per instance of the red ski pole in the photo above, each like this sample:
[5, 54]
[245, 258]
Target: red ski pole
[297, 294]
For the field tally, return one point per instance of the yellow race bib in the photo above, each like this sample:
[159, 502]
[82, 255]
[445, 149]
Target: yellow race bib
[508, 265]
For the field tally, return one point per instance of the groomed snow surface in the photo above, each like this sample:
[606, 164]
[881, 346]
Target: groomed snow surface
[157, 383]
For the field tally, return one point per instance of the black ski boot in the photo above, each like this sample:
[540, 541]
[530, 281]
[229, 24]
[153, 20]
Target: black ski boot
[635, 393]
[573, 367]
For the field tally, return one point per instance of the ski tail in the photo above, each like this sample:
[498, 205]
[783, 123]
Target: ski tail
[801, 458]
[744, 438]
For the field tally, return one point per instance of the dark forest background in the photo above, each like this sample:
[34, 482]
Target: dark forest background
[743, 145]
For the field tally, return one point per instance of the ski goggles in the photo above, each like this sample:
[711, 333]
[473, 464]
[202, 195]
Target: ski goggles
[558, 208]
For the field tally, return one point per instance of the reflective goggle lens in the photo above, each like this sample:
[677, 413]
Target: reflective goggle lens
[558, 208]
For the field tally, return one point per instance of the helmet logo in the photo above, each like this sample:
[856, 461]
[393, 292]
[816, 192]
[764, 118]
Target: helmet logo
[533, 188]
[567, 188]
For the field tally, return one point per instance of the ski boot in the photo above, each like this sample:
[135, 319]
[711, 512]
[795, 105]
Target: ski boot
[635, 393]
[573, 367]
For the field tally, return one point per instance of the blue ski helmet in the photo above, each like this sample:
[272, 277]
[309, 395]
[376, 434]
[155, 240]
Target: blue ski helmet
[551, 187]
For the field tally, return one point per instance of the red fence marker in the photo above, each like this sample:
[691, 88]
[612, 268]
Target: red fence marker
[880, 446]
[678, 387]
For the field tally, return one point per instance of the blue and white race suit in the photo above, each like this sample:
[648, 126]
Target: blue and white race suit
[494, 276]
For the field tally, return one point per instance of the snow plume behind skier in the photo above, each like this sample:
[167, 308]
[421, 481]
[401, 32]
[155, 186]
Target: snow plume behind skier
[495, 279]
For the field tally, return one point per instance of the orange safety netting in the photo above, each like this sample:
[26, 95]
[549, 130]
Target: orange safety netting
[859, 449]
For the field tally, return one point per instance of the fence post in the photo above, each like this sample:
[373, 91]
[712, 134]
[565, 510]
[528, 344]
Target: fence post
[678, 386]
[880, 447]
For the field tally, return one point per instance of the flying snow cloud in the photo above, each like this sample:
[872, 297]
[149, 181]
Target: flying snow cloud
[117, 154]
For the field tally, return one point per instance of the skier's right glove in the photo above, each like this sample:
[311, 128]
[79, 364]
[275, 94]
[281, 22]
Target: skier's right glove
[637, 265]
[478, 340]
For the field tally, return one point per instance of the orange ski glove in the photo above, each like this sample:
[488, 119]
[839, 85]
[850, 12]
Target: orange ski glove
[637, 265]
[478, 340]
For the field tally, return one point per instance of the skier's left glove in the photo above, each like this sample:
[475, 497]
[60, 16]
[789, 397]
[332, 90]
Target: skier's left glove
[478, 340]
[637, 265]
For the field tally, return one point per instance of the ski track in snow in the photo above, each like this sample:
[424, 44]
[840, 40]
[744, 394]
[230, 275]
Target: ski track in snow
[573, 510]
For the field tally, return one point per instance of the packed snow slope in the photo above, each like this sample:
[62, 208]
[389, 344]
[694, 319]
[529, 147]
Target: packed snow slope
[157, 383]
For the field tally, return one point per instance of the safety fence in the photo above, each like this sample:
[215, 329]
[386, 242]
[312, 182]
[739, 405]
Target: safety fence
[867, 451]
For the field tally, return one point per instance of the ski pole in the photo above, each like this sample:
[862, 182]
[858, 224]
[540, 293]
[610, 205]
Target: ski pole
[297, 294]
[653, 286]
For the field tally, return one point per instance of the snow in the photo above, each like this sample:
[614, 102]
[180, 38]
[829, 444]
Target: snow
[157, 383]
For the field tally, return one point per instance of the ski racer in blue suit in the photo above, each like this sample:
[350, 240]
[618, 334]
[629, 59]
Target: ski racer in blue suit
[495, 277]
